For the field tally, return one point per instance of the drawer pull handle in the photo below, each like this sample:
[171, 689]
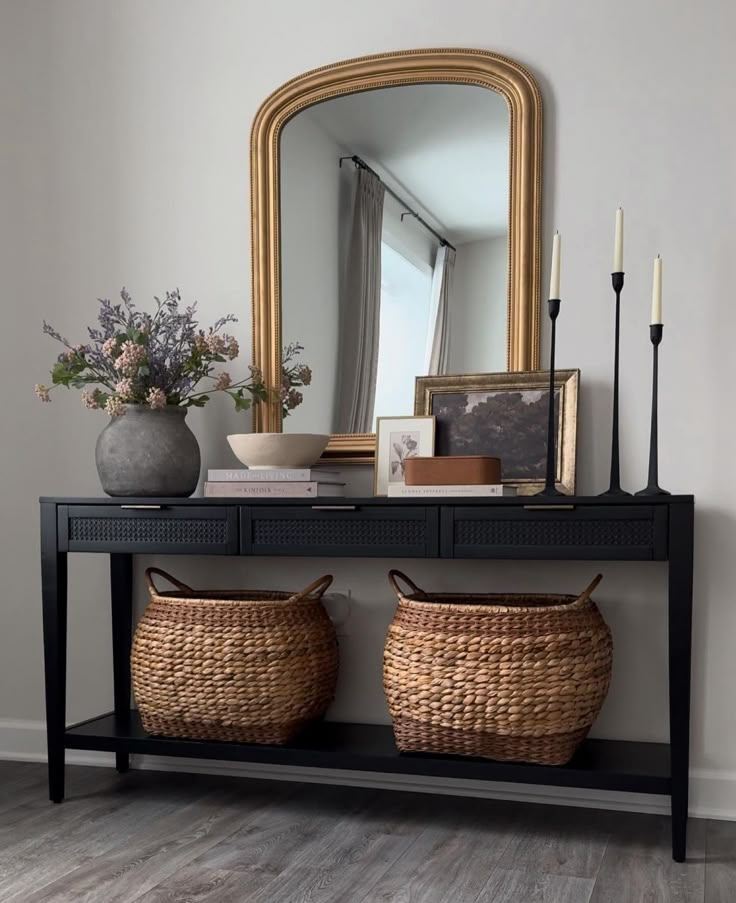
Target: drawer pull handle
[549, 507]
[334, 507]
[142, 507]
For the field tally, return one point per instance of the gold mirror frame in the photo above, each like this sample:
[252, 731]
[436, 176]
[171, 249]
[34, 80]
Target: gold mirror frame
[468, 67]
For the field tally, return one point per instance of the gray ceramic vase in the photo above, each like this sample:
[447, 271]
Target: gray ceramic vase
[148, 453]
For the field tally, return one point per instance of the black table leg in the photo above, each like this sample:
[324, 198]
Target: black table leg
[121, 596]
[54, 598]
[680, 642]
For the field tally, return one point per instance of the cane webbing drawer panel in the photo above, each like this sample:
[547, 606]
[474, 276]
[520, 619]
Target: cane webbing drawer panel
[171, 529]
[341, 531]
[518, 528]
[540, 532]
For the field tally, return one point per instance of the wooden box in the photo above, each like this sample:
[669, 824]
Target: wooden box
[453, 470]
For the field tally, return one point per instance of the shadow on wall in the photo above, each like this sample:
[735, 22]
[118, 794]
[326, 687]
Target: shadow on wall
[715, 533]
[594, 436]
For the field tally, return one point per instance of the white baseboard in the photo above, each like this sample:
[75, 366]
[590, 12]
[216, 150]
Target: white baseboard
[712, 792]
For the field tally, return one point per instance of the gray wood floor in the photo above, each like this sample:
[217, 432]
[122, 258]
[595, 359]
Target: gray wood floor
[151, 837]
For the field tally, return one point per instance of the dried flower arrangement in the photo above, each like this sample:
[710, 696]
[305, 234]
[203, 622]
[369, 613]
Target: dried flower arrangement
[162, 359]
[293, 376]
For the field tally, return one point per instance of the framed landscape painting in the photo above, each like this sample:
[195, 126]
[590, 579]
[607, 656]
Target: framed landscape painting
[505, 415]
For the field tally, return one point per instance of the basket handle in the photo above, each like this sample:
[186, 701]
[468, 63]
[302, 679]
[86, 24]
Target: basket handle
[177, 583]
[317, 589]
[394, 576]
[586, 593]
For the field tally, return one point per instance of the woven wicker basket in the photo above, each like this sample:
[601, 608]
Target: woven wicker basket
[508, 677]
[249, 667]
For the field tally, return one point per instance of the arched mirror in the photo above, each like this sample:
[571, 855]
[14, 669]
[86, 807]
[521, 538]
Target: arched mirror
[396, 212]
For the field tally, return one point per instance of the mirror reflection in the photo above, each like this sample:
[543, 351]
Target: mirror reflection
[394, 246]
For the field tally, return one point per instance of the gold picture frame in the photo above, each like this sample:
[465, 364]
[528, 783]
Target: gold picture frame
[454, 65]
[462, 429]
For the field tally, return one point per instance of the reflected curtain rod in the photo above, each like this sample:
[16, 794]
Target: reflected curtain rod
[361, 164]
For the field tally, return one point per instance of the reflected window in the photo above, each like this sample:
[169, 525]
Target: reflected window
[406, 286]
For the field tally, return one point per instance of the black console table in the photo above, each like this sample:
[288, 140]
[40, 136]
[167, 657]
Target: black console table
[621, 529]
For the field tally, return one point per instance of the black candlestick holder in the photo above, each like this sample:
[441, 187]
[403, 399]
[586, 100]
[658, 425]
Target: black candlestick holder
[549, 485]
[653, 487]
[617, 280]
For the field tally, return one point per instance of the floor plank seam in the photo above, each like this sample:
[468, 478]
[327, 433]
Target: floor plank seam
[600, 864]
[394, 863]
[495, 868]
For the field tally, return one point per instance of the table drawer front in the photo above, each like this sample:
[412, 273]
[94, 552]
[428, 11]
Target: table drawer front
[167, 530]
[341, 531]
[593, 532]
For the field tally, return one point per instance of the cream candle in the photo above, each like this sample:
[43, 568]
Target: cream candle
[554, 279]
[657, 291]
[618, 243]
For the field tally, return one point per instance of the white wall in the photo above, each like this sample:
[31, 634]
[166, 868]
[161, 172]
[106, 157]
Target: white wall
[315, 213]
[478, 315]
[125, 161]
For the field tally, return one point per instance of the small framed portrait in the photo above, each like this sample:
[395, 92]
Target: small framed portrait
[506, 415]
[399, 438]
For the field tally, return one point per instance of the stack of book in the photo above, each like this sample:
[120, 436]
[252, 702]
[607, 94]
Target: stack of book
[468, 490]
[282, 483]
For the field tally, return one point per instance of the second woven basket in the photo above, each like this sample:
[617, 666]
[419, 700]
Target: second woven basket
[508, 677]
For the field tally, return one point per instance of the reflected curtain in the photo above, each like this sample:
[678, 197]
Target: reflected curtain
[438, 344]
[360, 309]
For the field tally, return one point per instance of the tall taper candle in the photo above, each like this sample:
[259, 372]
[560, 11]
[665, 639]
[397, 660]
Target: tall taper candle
[618, 243]
[554, 279]
[657, 291]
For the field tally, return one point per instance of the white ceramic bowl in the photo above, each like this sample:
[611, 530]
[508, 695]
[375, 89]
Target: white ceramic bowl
[268, 451]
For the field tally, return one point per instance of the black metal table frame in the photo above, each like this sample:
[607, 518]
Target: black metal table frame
[581, 528]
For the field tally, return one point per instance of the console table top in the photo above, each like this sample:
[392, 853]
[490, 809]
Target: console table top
[521, 500]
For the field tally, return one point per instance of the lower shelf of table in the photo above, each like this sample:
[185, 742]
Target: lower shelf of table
[602, 764]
